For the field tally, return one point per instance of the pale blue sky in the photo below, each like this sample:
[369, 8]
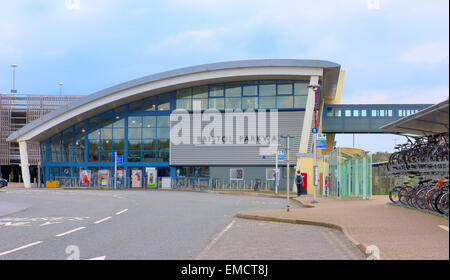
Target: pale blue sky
[398, 53]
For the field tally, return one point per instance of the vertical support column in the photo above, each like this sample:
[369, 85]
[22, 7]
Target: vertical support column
[356, 177]
[364, 176]
[24, 163]
[306, 131]
[309, 114]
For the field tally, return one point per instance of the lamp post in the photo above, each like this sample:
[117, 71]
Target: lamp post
[287, 148]
[60, 87]
[315, 88]
[14, 78]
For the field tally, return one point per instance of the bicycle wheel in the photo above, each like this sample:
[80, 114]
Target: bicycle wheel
[442, 204]
[419, 198]
[393, 194]
[404, 194]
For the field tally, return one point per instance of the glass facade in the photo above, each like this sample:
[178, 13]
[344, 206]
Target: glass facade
[139, 132]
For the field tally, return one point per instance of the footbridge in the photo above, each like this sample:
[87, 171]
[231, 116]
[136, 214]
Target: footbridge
[364, 118]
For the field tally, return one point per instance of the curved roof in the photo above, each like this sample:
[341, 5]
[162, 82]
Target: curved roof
[430, 121]
[117, 95]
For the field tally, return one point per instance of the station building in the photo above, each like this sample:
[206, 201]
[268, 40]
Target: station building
[136, 120]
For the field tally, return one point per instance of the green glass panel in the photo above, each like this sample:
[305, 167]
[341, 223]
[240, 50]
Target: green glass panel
[301, 88]
[216, 103]
[233, 103]
[300, 101]
[267, 88]
[233, 90]
[267, 102]
[215, 91]
[284, 102]
[200, 92]
[250, 103]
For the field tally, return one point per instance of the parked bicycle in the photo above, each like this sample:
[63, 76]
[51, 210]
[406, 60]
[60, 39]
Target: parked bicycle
[427, 194]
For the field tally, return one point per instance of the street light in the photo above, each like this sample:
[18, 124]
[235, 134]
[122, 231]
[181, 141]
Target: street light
[60, 87]
[14, 78]
[315, 88]
[287, 149]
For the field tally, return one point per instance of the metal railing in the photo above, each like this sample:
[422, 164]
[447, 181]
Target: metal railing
[188, 183]
[200, 183]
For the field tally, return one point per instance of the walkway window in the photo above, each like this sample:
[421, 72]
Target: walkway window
[355, 112]
[363, 113]
[348, 113]
[337, 112]
[329, 112]
[374, 113]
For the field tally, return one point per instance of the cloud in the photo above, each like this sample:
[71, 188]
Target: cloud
[430, 54]
[198, 39]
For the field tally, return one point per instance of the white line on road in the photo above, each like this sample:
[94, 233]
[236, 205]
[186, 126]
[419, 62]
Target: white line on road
[20, 248]
[124, 210]
[443, 227]
[102, 258]
[102, 220]
[70, 231]
[215, 240]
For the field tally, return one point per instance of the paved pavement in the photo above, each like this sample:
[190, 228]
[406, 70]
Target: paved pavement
[279, 241]
[399, 233]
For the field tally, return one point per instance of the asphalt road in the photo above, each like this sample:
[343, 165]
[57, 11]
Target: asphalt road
[78, 224]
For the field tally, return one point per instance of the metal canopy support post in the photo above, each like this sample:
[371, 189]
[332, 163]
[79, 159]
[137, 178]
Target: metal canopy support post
[115, 170]
[287, 172]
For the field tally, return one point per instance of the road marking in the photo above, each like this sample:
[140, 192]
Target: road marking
[278, 223]
[70, 231]
[343, 245]
[20, 248]
[102, 258]
[215, 239]
[443, 227]
[124, 210]
[102, 220]
[333, 245]
[50, 223]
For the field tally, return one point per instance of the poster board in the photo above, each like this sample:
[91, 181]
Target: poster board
[85, 178]
[166, 183]
[136, 178]
[151, 177]
[103, 177]
[236, 174]
[120, 178]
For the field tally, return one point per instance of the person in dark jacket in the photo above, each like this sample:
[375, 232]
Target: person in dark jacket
[299, 181]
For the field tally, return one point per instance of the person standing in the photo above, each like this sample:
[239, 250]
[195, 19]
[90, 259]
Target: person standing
[299, 181]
